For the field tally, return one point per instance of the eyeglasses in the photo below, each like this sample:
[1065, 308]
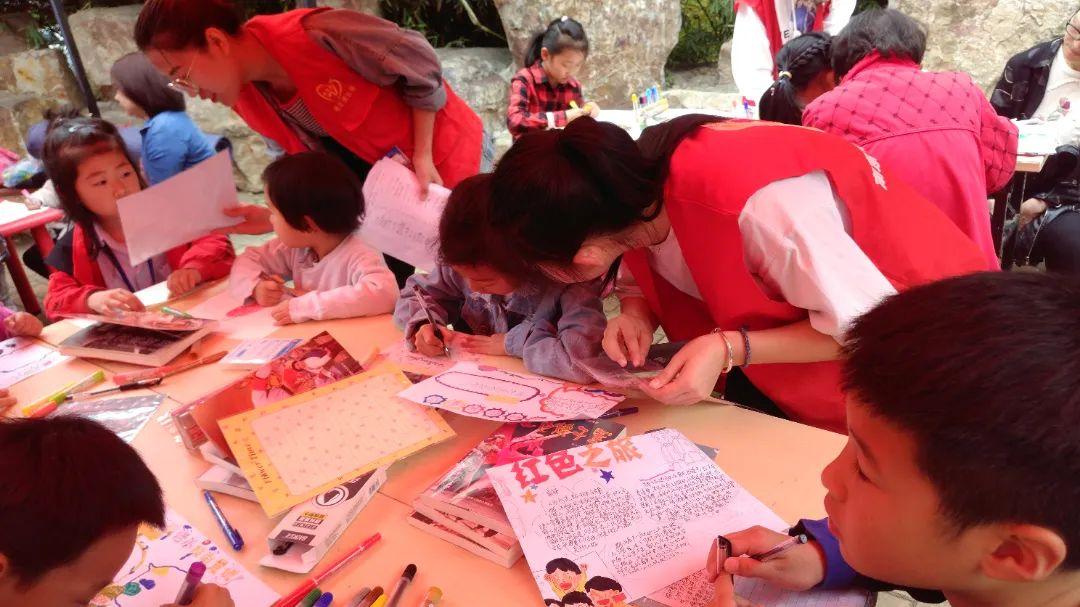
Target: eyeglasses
[184, 84]
[1071, 30]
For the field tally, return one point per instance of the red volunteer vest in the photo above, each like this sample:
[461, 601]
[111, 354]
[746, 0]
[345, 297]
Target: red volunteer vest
[367, 119]
[906, 237]
[766, 11]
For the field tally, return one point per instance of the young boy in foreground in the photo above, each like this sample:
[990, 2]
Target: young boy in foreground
[962, 467]
[72, 496]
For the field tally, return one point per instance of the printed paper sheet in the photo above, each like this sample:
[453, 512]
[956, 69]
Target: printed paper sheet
[478, 390]
[190, 204]
[397, 220]
[153, 573]
[294, 449]
[21, 357]
[635, 515]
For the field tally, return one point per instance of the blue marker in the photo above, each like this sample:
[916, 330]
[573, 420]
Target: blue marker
[324, 600]
[230, 532]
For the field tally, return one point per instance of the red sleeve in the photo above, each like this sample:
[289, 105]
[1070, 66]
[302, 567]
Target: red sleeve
[518, 118]
[999, 140]
[67, 295]
[211, 255]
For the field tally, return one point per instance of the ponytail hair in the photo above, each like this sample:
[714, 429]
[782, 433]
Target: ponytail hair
[798, 63]
[561, 34]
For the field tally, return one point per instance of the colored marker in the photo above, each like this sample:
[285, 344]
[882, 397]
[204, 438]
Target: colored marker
[619, 412]
[191, 583]
[370, 599]
[434, 595]
[360, 596]
[310, 598]
[231, 533]
[167, 370]
[401, 585]
[300, 591]
[135, 385]
[380, 602]
[49, 404]
[325, 600]
[175, 312]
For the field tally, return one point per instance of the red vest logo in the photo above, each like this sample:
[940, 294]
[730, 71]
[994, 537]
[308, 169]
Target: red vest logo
[331, 91]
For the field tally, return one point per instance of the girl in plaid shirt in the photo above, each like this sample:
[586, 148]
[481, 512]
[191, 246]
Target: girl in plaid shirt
[541, 92]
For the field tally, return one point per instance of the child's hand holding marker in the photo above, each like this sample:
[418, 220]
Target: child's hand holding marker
[268, 293]
[430, 343]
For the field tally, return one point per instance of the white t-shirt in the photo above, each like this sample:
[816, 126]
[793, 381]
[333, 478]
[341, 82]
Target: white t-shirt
[797, 243]
[1063, 82]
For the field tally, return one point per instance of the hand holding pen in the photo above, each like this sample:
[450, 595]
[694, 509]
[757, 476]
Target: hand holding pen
[781, 560]
[430, 339]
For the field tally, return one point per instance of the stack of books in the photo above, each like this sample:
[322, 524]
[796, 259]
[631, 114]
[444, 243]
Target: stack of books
[462, 506]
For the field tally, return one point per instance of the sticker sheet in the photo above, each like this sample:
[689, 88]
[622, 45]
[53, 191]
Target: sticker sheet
[294, 449]
[479, 390]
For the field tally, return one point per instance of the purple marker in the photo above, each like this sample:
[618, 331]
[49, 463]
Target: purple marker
[191, 583]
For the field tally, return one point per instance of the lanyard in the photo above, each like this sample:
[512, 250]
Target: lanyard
[120, 270]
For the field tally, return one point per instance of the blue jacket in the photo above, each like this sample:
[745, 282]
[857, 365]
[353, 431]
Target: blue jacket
[551, 328]
[840, 576]
[171, 143]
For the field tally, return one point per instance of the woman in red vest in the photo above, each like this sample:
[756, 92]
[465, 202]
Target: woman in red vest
[758, 242]
[342, 81]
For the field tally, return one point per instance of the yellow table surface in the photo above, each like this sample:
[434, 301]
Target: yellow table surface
[778, 461]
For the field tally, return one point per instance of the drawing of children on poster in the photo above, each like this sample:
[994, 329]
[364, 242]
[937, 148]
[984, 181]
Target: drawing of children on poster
[605, 592]
[565, 576]
[577, 599]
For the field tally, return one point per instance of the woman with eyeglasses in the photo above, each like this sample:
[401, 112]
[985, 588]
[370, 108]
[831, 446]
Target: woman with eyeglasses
[171, 142]
[344, 82]
[1039, 82]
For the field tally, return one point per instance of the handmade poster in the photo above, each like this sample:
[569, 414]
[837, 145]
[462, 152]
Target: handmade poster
[696, 591]
[486, 392]
[153, 573]
[294, 449]
[236, 319]
[191, 203]
[422, 365]
[622, 519]
[319, 361]
[21, 357]
[397, 220]
[124, 416]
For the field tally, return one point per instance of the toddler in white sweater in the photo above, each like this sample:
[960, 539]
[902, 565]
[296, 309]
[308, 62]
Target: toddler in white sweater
[315, 207]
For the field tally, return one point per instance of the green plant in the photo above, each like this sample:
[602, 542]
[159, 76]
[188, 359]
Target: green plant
[706, 26]
[449, 22]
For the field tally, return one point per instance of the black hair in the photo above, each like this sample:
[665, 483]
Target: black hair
[575, 598]
[603, 584]
[798, 63]
[992, 409]
[885, 30]
[464, 236]
[560, 35]
[145, 86]
[66, 482]
[562, 565]
[68, 143]
[316, 185]
[181, 24]
[553, 189]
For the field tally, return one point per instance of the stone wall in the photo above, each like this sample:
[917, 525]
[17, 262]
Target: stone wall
[481, 77]
[629, 40]
[979, 36]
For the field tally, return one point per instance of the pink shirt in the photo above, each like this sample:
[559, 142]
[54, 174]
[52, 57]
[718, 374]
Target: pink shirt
[934, 130]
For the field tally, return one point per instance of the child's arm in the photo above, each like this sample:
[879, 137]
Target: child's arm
[446, 293]
[211, 256]
[371, 290]
[272, 258]
[565, 328]
[67, 296]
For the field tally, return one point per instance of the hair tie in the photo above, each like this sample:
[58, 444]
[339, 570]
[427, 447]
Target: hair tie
[784, 74]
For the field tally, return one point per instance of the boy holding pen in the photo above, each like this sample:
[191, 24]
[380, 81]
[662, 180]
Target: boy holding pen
[960, 472]
[72, 496]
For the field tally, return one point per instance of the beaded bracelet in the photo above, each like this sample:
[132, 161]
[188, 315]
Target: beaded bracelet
[746, 345]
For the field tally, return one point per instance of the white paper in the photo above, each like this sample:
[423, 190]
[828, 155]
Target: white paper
[642, 511]
[486, 392]
[180, 209]
[154, 295]
[397, 221]
[153, 573]
[21, 357]
[13, 211]
[236, 320]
